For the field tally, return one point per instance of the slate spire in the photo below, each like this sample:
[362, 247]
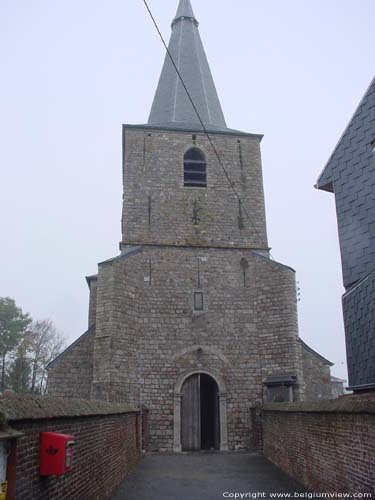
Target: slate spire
[171, 106]
[184, 9]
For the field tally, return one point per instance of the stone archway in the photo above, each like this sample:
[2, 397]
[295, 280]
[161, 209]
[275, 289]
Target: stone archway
[222, 407]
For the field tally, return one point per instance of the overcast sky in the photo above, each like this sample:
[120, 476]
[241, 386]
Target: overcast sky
[74, 70]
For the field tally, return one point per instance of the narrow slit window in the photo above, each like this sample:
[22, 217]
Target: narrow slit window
[195, 168]
[198, 301]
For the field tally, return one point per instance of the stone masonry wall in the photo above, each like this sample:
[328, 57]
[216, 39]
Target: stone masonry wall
[178, 241]
[116, 349]
[148, 333]
[93, 285]
[159, 209]
[71, 374]
[327, 446]
[277, 323]
[317, 375]
[107, 446]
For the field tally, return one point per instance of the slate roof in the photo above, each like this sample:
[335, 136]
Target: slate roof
[359, 320]
[191, 127]
[171, 107]
[125, 254]
[359, 134]
[350, 174]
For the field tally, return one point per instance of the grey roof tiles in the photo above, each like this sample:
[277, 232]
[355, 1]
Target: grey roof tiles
[350, 174]
[185, 9]
[171, 107]
[359, 319]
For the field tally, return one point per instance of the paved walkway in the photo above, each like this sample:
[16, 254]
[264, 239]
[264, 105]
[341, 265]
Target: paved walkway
[204, 476]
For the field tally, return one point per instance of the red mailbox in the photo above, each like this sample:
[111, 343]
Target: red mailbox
[56, 453]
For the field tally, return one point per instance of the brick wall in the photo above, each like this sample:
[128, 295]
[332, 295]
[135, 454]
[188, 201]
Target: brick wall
[106, 446]
[327, 446]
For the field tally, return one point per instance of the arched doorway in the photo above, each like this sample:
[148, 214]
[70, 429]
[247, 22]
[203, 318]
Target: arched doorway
[177, 406]
[200, 413]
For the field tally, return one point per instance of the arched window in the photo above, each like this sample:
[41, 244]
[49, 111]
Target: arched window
[195, 174]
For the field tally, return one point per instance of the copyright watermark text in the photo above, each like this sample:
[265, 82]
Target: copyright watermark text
[261, 494]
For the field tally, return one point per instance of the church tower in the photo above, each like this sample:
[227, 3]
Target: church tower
[176, 192]
[193, 320]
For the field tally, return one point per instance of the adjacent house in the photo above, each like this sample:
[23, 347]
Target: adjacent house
[350, 175]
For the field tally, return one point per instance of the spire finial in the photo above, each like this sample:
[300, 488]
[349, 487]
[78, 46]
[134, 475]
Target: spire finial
[184, 9]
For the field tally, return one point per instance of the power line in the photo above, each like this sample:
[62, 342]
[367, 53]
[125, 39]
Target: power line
[204, 127]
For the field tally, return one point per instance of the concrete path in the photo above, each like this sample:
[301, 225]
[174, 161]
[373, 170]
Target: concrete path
[204, 476]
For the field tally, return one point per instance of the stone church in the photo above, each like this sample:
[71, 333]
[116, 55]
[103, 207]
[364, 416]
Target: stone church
[193, 320]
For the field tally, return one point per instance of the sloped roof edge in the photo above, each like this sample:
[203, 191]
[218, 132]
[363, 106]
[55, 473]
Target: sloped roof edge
[89, 279]
[311, 351]
[191, 128]
[124, 255]
[279, 264]
[324, 181]
[70, 347]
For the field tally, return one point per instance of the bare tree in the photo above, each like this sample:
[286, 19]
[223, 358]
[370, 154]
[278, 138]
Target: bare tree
[44, 343]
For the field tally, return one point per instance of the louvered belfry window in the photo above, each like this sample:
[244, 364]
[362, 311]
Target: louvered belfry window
[195, 172]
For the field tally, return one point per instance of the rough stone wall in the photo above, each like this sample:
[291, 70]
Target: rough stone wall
[148, 333]
[338, 387]
[328, 446]
[159, 209]
[118, 321]
[107, 447]
[93, 285]
[317, 375]
[71, 374]
[277, 323]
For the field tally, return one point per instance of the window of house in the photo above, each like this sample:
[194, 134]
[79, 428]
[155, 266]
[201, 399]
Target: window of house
[195, 172]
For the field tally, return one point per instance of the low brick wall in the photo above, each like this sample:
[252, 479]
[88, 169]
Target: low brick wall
[107, 445]
[327, 446]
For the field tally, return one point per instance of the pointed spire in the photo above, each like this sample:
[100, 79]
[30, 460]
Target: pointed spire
[171, 106]
[184, 10]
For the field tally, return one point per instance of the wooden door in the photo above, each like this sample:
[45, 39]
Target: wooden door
[216, 403]
[190, 414]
